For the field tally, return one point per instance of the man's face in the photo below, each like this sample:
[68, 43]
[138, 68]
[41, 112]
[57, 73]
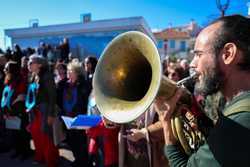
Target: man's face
[206, 63]
[87, 65]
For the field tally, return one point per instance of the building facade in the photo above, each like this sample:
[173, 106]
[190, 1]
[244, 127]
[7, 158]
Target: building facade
[176, 41]
[85, 38]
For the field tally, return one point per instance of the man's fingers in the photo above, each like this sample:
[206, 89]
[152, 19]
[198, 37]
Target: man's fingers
[161, 107]
[166, 108]
[177, 95]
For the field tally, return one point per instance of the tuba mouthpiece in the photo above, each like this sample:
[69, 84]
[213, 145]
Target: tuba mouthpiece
[193, 76]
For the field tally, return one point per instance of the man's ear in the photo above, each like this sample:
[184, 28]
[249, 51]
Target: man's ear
[229, 53]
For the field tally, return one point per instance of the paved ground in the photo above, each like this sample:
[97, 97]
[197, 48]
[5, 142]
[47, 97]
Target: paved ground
[66, 158]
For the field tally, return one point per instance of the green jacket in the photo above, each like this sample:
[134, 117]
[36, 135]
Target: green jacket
[228, 143]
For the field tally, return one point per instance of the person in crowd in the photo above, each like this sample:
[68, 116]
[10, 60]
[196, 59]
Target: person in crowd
[8, 54]
[152, 129]
[3, 61]
[185, 66]
[186, 72]
[165, 63]
[109, 142]
[96, 135]
[4, 146]
[75, 99]
[12, 104]
[43, 112]
[42, 50]
[95, 147]
[89, 65]
[152, 133]
[50, 54]
[61, 81]
[175, 73]
[64, 50]
[29, 51]
[17, 54]
[24, 68]
[222, 61]
[103, 140]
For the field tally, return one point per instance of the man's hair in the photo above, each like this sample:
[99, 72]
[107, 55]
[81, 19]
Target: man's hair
[93, 61]
[235, 29]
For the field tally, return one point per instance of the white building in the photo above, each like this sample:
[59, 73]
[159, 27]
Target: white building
[176, 40]
[85, 38]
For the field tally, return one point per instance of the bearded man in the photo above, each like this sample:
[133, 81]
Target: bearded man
[222, 60]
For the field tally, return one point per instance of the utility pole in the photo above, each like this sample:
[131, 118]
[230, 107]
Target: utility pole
[222, 7]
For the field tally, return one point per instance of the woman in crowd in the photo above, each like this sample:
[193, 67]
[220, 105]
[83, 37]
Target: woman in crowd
[61, 80]
[12, 104]
[175, 72]
[43, 111]
[24, 68]
[75, 99]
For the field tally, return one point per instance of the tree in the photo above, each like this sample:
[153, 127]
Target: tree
[222, 7]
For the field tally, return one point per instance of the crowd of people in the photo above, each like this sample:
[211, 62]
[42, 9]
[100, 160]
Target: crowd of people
[38, 88]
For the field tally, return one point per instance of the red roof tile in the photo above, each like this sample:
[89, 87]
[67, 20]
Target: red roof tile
[171, 34]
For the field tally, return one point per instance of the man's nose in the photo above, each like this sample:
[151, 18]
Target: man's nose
[193, 64]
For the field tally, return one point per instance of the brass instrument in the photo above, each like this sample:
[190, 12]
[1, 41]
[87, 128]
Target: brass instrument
[128, 78]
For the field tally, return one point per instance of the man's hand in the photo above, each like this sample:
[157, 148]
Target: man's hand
[136, 134]
[165, 109]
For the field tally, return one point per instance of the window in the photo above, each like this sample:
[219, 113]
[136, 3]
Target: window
[183, 46]
[172, 44]
[160, 44]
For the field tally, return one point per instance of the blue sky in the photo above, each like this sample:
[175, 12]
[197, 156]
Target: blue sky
[158, 13]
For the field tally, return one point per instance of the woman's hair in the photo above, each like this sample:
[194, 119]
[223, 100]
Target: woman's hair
[40, 60]
[12, 70]
[61, 65]
[177, 69]
[76, 67]
[44, 68]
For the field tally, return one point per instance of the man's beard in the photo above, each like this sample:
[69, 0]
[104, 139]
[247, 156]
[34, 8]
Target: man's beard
[211, 82]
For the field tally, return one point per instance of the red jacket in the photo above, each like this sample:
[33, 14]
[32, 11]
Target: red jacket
[110, 142]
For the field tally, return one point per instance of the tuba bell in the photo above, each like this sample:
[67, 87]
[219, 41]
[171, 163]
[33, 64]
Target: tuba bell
[128, 78]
